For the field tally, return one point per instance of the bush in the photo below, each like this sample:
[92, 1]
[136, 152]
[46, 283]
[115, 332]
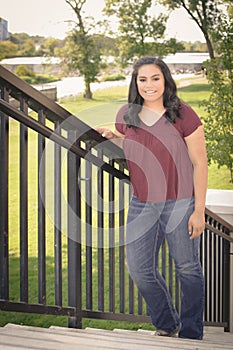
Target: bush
[23, 71]
[32, 78]
[38, 79]
[113, 77]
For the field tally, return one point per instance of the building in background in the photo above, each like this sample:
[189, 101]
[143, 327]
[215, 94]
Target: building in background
[4, 35]
[44, 65]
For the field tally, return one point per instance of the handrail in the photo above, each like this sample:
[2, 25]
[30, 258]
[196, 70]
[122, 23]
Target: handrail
[220, 221]
[62, 141]
[218, 233]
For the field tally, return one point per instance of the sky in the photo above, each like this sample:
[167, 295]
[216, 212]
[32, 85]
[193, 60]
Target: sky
[51, 18]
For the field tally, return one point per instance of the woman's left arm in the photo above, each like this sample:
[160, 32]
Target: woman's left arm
[197, 153]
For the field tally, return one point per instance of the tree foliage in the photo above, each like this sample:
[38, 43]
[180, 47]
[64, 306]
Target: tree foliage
[28, 48]
[50, 45]
[7, 49]
[139, 33]
[196, 46]
[219, 121]
[31, 77]
[24, 45]
[80, 51]
[206, 14]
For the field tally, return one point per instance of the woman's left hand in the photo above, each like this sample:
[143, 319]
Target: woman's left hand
[196, 224]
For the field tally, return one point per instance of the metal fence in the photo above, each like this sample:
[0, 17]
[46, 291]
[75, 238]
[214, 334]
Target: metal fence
[64, 193]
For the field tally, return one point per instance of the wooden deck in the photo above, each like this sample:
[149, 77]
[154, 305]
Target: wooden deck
[57, 338]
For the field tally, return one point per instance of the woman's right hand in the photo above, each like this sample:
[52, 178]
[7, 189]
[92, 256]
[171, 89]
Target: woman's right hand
[106, 133]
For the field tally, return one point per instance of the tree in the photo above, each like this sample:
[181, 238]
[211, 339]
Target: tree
[139, 33]
[82, 53]
[50, 45]
[196, 46]
[28, 48]
[219, 121]
[27, 45]
[7, 49]
[206, 14]
[19, 38]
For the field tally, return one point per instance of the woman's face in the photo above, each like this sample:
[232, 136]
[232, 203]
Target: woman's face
[150, 82]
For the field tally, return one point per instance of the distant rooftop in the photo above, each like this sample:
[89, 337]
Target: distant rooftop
[187, 57]
[178, 58]
[31, 60]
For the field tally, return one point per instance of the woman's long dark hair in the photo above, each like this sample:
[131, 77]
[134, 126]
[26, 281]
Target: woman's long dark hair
[170, 99]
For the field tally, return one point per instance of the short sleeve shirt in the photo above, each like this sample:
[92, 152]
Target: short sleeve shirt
[157, 156]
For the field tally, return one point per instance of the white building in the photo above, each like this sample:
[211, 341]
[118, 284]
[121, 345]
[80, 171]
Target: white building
[184, 62]
[4, 35]
[36, 64]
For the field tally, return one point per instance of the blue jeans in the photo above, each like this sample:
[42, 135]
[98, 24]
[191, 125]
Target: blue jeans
[147, 225]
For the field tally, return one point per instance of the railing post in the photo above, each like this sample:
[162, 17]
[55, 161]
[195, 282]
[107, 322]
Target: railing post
[4, 166]
[231, 287]
[226, 285]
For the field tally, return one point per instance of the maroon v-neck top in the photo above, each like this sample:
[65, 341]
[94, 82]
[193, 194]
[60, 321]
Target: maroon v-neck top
[157, 156]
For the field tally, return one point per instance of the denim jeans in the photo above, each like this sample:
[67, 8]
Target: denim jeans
[147, 225]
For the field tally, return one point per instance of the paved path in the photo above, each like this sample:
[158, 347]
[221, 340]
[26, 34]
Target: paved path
[186, 82]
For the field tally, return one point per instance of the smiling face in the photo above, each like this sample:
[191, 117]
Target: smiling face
[151, 84]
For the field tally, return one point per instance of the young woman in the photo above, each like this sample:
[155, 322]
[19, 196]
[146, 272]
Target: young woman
[164, 145]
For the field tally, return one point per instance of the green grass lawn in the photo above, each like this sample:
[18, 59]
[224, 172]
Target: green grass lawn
[100, 111]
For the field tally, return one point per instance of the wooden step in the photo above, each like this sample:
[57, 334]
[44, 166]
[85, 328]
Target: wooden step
[16, 337]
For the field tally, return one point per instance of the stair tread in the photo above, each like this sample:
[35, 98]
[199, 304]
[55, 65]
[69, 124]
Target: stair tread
[55, 338]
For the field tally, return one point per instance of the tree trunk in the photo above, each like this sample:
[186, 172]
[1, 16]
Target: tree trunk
[87, 93]
[209, 46]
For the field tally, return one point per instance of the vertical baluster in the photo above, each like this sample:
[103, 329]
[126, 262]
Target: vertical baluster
[208, 276]
[4, 166]
[139, 303]
[131, 283]
[204, 263]
[23, 206]
[41, 215]
[74, 237]
[221, 281]
[57, 220]
[100, 194]
[177, 286]
[164, 259]
[170, 276]
[122, 243]
[212, 277]
[217, 280]
[111, 243]
[226, 283]
[88, 178]
[131, 296]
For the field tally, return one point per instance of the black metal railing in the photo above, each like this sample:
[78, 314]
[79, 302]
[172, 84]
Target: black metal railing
[64, 193]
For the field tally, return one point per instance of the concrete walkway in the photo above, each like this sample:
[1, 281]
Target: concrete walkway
[16, 337]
